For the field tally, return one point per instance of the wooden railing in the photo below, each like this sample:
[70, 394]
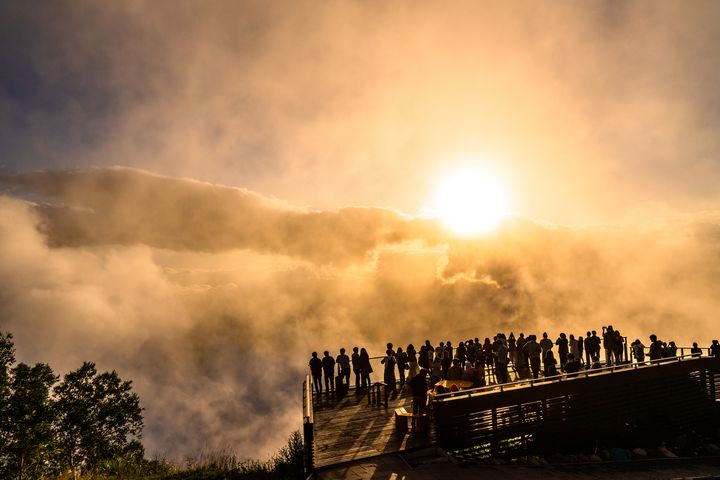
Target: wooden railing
[308, 426]
[621, 406]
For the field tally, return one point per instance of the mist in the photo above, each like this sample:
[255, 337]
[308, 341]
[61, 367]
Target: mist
[216, 334]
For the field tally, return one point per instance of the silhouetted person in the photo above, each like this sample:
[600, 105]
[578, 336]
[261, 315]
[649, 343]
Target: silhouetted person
[402, 364]
[501, 362]
[316, 368]
[589, 349]
[461, 353]
[328, 364]
[672, 349]
[455, 372]
[412, 360]
[545, 345]
[445, 363]
[365, 368]
[596, 346]
[423, 357]
[572, 366]
[573, 345]
[343, 362]
[418, 387]
[695, 351]
[656, 348]
[638, 350]
[609, 344]
[562, 343]
[389, 372]
[618, 344]
[715, 349]
[355, 358]
[435, 372]
[512, 349]
[550, 364]
[581, 348]
[533, 351]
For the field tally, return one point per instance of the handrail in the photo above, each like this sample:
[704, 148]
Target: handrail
[308, 414]
[563, 376]
[308, 426]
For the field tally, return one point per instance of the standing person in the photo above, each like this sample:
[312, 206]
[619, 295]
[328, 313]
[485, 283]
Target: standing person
[562, 343]
[449, 348]
[445, 363]
[545, 346]
[609, 344]
[581, 347]
[618, 346]
[461, 353]
[589, 349]
[440, 350]
[512, 349]
[533, 351]
[638, 351]
[714, 349]
[502, 362]
[418, 387]
[695, 351]
[343, 362]
[672, 349]
[596, 345]
[365, 368]
[389, 373]
[316, 371]
[573, 344]
[402, 364]
[355, 358]
[328, 364]
[656, 348]
[436, 373]
[522, 365]
[423, 357]
[412, 360]
[430, 353]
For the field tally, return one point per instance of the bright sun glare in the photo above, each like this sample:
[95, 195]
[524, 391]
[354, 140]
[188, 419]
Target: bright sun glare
[470, 202]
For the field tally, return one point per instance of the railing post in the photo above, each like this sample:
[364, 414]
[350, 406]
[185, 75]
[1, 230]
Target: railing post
[308, 427]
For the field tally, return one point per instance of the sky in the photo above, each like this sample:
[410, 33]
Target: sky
[212, 190]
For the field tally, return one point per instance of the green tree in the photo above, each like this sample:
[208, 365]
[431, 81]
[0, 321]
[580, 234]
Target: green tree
[7, 359]
[98, 418]
[30, 412]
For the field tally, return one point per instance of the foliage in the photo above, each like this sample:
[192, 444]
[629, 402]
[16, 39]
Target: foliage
[89, 421]
[89, 425]
[96, 414]
[31, 439]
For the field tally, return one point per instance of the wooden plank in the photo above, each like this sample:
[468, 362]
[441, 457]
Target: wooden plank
[349, 429]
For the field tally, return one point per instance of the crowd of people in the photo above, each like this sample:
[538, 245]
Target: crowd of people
[473, 361]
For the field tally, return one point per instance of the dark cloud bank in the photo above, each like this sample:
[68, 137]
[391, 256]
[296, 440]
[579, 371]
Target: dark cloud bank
[210, 298]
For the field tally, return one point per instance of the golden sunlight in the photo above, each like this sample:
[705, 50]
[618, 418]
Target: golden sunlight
[470, 202]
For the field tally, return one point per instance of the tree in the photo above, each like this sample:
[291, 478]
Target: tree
[7, 358]
[97, 417]
[30, 413]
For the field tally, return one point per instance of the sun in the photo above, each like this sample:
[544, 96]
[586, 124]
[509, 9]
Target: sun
[470, 202]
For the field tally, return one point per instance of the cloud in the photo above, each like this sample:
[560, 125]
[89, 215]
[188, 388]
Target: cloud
[359, 103]
[215, 333]
[127, 206]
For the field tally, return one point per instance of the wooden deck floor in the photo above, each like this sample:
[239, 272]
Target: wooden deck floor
[349, 429]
